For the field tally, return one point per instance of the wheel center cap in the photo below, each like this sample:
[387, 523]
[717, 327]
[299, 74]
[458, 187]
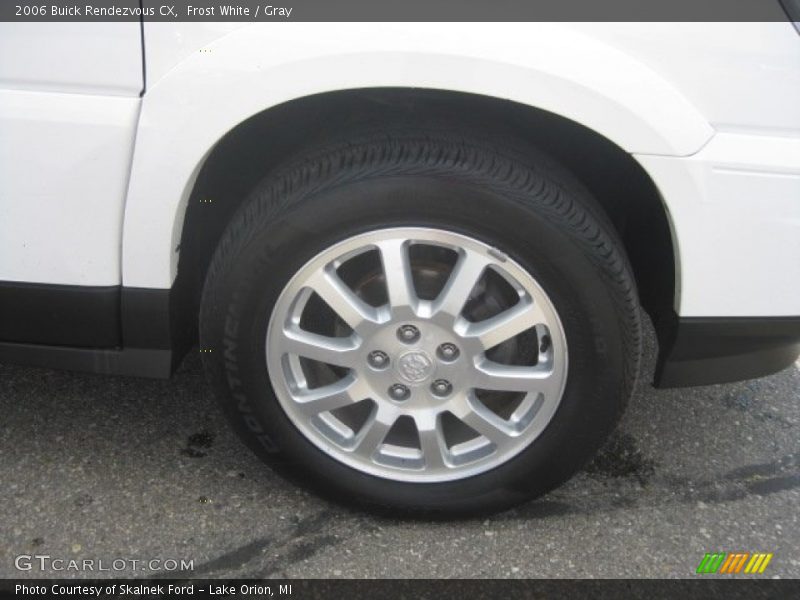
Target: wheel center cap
[415, 366]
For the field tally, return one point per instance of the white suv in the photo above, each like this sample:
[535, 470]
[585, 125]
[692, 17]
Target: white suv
[413, 255]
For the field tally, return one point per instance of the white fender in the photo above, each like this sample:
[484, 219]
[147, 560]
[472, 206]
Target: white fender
[250, 69]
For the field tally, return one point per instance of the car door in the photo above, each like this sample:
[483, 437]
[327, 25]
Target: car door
[69, 106]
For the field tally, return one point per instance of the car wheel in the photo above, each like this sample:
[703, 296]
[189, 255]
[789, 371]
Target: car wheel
[422, 322]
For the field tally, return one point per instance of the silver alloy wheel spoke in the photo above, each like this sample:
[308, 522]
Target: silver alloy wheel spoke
[344, 392]
[333, 351]
[397, 272]
[510, 378]
[342, 300]
[431, 440]
[437, 352]
[374, 432]
[506, 325]
[484, 421]
[463, 279]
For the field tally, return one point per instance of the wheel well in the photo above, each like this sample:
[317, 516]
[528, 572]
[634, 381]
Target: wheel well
[261, 143]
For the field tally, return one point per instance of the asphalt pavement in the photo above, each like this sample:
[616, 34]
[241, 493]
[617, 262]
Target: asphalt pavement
[114, 468]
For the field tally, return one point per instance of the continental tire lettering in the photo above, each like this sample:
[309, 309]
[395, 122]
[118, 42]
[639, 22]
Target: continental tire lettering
[233, 382]
[230, 351]
[231, 326]
[252, 424]
[267, 443]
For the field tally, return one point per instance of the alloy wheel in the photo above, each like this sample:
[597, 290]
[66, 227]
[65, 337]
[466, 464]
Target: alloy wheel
[417, 354]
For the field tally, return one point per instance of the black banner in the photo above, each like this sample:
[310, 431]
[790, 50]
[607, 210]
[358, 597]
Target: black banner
[413, 589]
[382, 10]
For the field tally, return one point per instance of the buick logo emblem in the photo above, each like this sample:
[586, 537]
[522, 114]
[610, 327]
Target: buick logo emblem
[415, 366]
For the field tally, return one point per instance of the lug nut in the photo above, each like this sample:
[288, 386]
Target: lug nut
[441, 387]
[378, 359]
[408, 334]
[399, 392]
[448, 352]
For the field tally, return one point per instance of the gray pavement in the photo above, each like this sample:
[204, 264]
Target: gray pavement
[106, 468]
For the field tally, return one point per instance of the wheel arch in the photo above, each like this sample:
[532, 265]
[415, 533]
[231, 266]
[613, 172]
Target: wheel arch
[239, 160]
[192, 105]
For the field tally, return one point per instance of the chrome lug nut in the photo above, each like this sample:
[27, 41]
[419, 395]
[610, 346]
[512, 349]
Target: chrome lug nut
[378, 359]
[448, 352]
[408, 334]
[441, 387]
[399, 392]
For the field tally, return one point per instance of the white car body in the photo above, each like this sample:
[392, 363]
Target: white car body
[98, 158]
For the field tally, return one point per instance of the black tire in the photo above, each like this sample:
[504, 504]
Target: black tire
[510, 197]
